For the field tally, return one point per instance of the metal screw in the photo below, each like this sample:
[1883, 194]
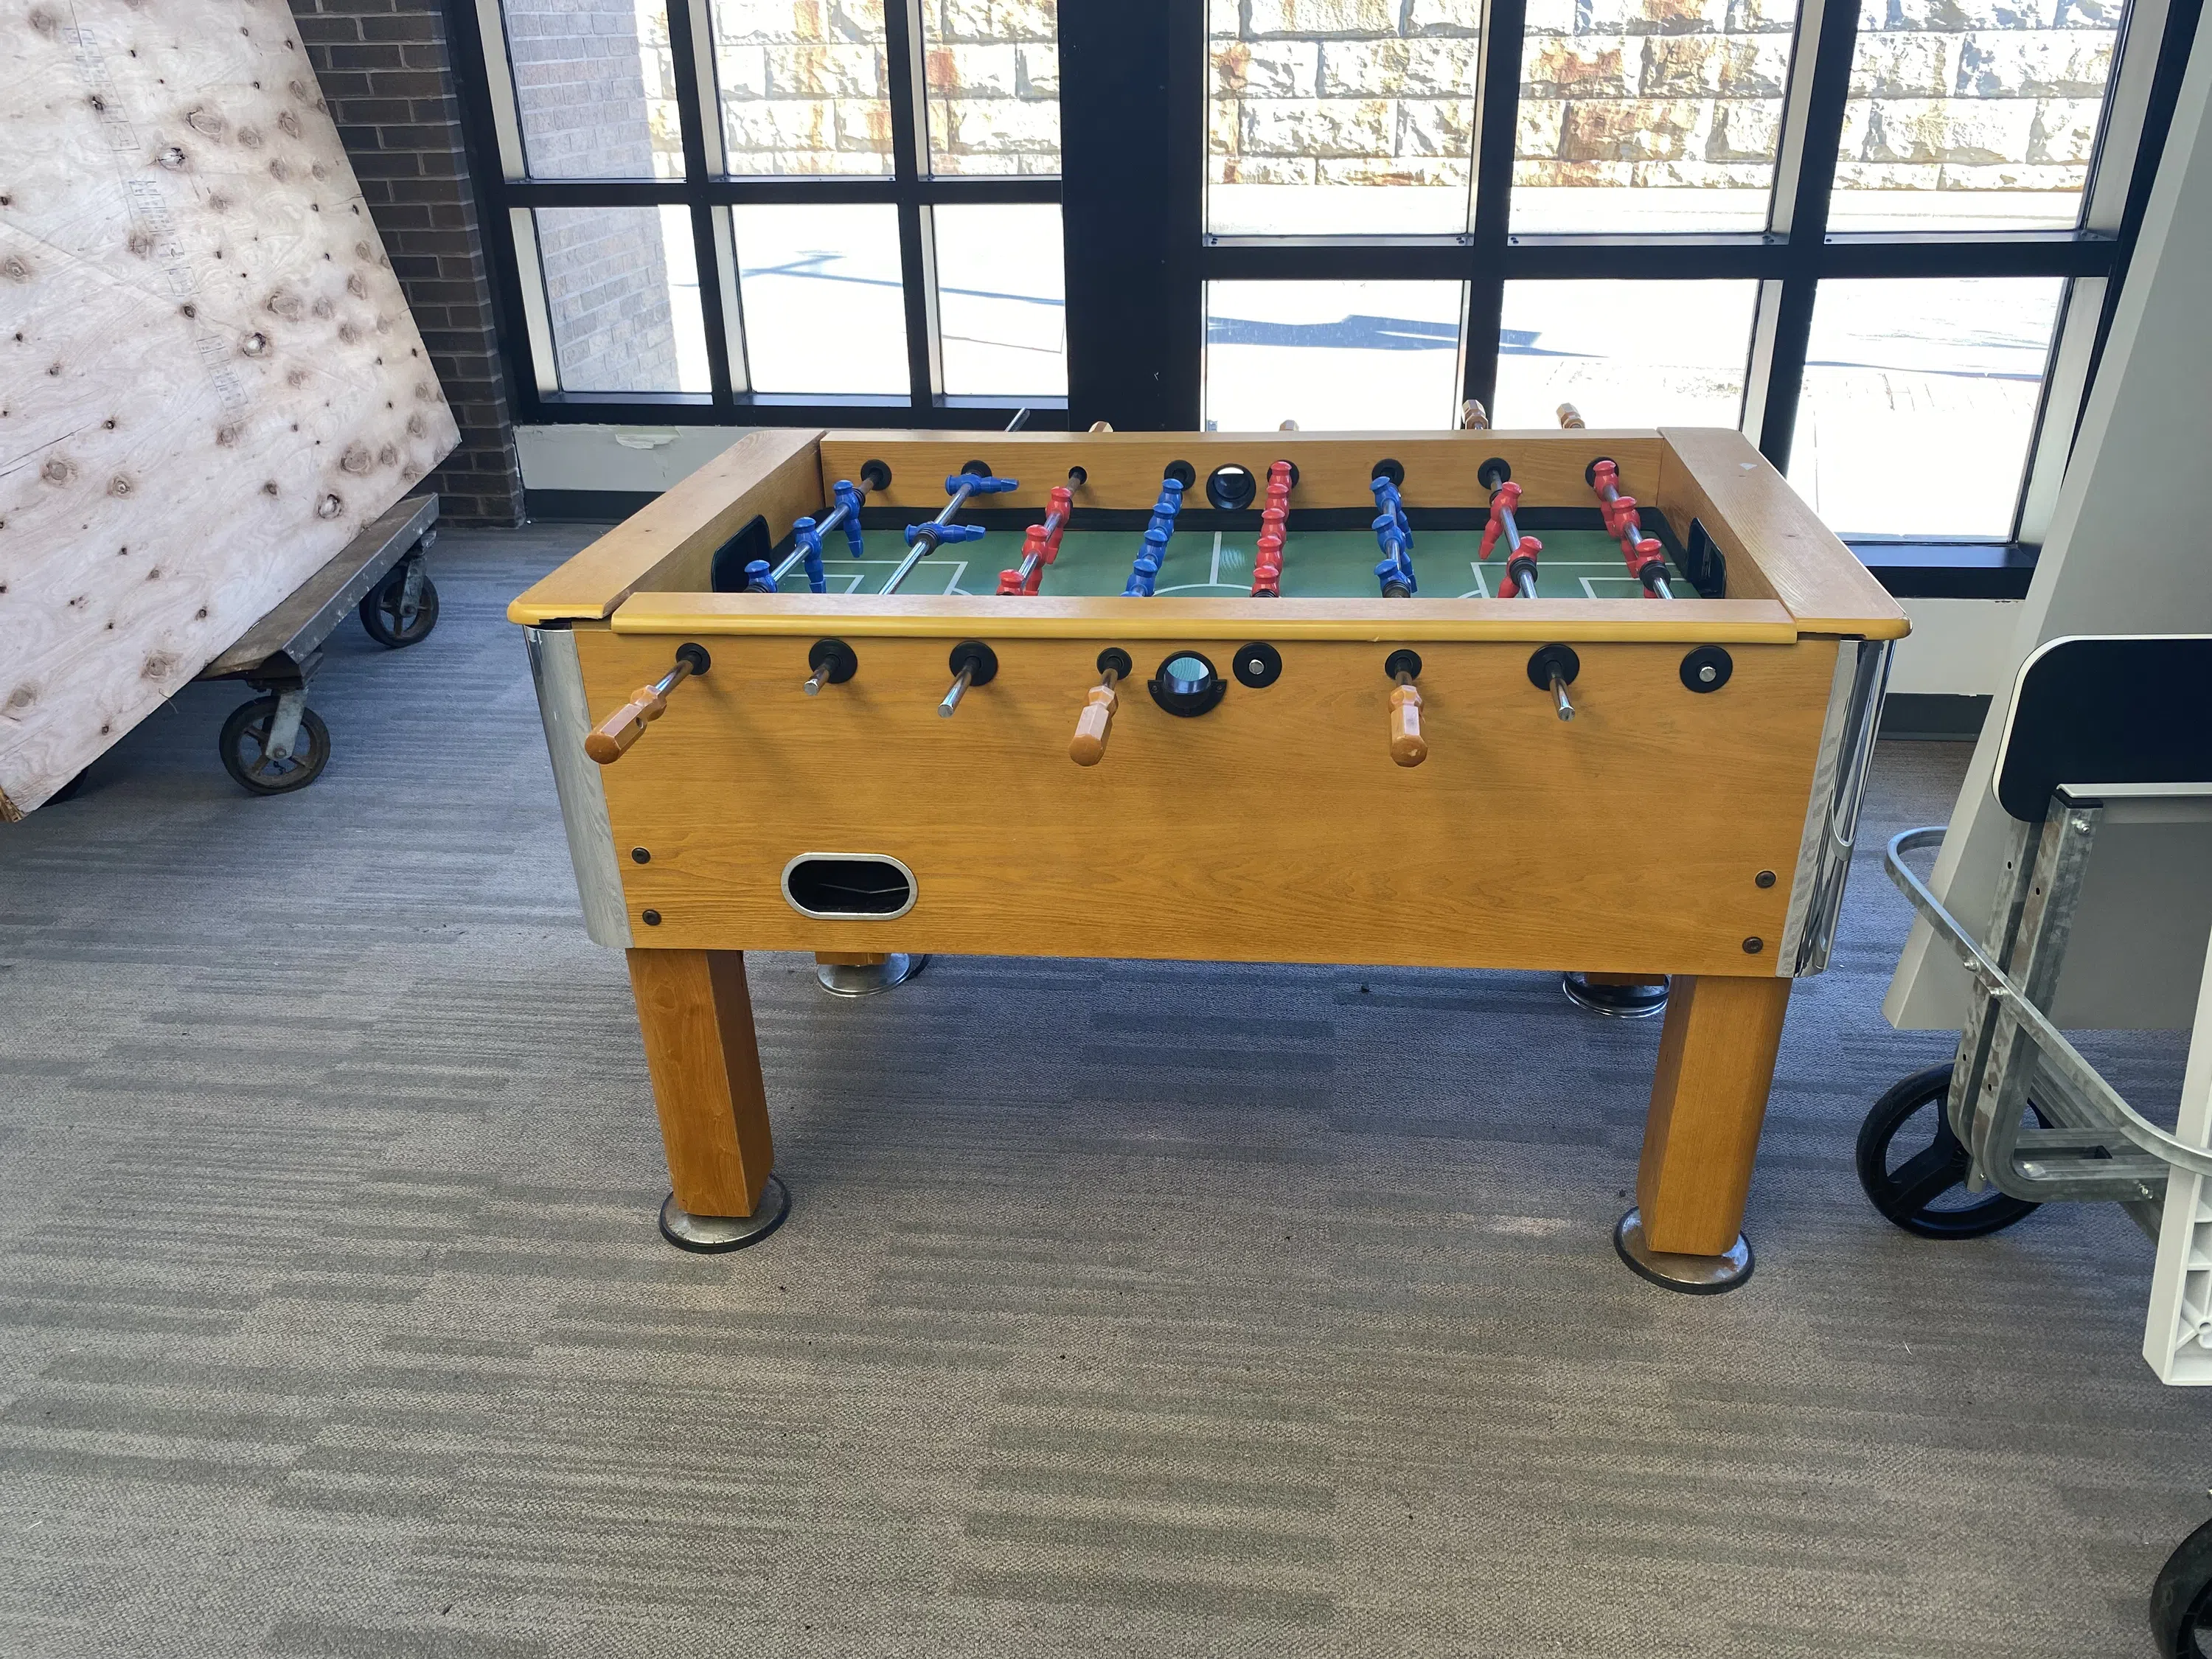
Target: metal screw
[638, 855]
[1752, 947]
[1708, 673]
[1764, 879]
[653, 918]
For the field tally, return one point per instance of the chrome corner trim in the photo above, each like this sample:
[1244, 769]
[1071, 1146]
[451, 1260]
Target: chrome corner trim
[1831, 815]
[559, 676]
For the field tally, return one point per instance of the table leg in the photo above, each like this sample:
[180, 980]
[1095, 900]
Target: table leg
[1709, 1096]
[697, 1018]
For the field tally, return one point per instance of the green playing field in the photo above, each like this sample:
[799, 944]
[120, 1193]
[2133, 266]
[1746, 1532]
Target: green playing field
[1316, 564]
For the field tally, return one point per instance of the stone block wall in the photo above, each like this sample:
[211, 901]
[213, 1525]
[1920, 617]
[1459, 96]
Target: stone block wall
[1951, 94]
[805, 85]
[385, 72]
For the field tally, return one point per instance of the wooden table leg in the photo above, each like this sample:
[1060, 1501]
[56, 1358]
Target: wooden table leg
[1708, 1099]
[697, 1017]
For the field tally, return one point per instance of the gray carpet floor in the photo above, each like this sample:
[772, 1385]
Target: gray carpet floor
[1158, 1310]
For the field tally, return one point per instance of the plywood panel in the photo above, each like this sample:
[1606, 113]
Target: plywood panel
[208, 381]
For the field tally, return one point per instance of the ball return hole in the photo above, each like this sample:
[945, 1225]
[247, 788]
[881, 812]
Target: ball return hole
[848, 885]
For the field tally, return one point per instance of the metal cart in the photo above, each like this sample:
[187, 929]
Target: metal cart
[273, 743]
[2101, 733]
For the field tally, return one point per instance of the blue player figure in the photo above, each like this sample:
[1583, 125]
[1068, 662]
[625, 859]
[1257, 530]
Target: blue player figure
[1145, 574]
[810, 544]
[757, 578]
[1395, 535]
[848, 505]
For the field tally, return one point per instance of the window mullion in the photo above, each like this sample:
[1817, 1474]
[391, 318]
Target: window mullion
[1825, 89]
[902, 65]
[692, 126]
[1496, 118]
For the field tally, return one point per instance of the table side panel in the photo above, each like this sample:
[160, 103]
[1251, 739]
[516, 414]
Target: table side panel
[1125, 468]
[1274, 827]
[675, 616]
[670, 544]
[1775, 544]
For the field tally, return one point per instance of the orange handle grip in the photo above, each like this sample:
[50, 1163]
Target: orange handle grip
[1407, 746]
[611, 739]
[1089, 746]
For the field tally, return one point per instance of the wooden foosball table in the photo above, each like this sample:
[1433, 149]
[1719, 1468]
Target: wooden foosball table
[1485, 682]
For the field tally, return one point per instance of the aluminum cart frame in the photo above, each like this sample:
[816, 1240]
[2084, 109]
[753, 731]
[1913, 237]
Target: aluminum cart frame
[2099, 734]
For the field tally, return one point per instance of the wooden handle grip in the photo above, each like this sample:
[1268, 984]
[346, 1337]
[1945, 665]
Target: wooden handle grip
[611, 739]
[1407, 746]
[1089, 746]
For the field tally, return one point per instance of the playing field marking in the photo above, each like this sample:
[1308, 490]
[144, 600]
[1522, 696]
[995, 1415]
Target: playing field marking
[1589, 589]
[1193, 587]
[853, 575]
[1481, 589]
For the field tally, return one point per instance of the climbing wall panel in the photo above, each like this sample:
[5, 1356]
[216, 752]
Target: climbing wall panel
[208, 380]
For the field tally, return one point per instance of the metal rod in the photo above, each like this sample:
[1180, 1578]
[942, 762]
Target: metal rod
[815, 681]
[960, 685]
[1560, 696]
[926, 539]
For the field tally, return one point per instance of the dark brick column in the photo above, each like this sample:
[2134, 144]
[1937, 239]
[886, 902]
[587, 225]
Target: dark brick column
[387, 76]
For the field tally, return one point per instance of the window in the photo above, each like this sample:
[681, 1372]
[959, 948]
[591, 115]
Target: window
[762, 210]
[1878, 235]
[1333, 357]
[1919, 400]
[1651, 117]
[1596, 345]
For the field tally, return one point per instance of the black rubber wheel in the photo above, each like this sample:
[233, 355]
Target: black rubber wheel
[1909, 1185]
[380, 610]
[244, 735]
[2181, 1601]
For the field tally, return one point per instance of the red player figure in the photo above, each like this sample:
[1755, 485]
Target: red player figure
[1267, 565]
[1523, 549]
[1641, 551]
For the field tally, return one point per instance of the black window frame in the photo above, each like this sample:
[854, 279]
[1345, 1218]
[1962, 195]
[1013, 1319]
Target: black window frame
[1131, 191]
[503, 189]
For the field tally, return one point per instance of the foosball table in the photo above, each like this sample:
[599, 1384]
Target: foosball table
[1197, 674]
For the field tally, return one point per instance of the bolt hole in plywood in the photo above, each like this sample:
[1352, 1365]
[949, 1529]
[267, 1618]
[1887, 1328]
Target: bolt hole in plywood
[208, 381]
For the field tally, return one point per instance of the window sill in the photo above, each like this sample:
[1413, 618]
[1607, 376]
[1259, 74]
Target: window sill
[1948, 570]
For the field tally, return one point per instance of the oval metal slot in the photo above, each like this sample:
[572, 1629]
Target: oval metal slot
[849, 886]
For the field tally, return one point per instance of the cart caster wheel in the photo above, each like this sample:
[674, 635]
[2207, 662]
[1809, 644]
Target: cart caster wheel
[2181, 1601]
[1908, 1182]
[245, 749]
[384, 615]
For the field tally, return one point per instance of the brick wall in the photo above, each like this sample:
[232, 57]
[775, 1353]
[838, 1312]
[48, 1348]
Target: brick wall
[580, 94]
[384, 70]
